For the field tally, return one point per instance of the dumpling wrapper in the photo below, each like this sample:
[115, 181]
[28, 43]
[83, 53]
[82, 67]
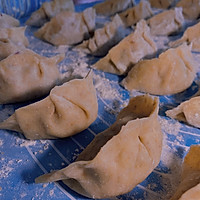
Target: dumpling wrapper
[120, 157]
[111, 7]
[191, 9]
[191, 36]
[133, 15]
[190, 176]
[7, 47]
[167, 22]
[7, 21]
[188, 111]
[172, 72]
[68, 27]
[26, 75]
[15, 34]
[49, 10]
[104, 38]
[129, 51]
[164, 4]
[69, 109]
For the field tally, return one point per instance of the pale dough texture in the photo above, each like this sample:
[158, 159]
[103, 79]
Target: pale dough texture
[7, 21]
[49, 10]
[68, 27]
[162, 3]
[67, 110]
[172, 72]
[120, 157]
[129, 51]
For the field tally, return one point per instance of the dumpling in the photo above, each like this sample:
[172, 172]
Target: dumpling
[132, 15]
[49, 10]
[167, 22]
[26, 75]
[111, 7]
[191, 36]
[104, 38]
[162, 3]
[69, 109]
[190, 176]
[7, 21]
[188, 111]
[191, 9]
[15, 34]
[120, 157]
[129, 51]
[172, 72]
[68, 27]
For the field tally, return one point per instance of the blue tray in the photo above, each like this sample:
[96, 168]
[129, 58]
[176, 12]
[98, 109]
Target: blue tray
[21, 160]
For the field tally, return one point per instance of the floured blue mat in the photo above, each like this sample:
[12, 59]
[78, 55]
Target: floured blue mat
[21, 160]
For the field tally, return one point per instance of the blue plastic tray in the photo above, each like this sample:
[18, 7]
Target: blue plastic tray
[21, 160]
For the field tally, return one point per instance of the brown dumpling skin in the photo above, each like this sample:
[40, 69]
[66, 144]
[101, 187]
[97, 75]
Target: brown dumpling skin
[69, 109]
[111, 7]
[191, 9]
[120, 157]
[49, 10]
[133, 15]
[190, 176]
[104, 38]
[191, 36]
[60, 28]
[167, 22]
[7, 21]
[172, 72]
[26, 75]
[164, 4]
[129, 51]
[188, 111]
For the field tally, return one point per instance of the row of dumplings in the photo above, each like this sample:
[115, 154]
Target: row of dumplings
[137, 123]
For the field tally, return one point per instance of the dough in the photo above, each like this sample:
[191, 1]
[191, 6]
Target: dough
[167, 22]
[162, 3]
[129, 51]
[68, 27]
[26, 75]
[172, 72]
[15, 34]
[191, 36]
[190, 176]
[120, 157]
[111, 7]
[7, 21]
[132, 15]
[69, 109]
[104, 38]
[191, 8]
[188, 111]
[49, 10]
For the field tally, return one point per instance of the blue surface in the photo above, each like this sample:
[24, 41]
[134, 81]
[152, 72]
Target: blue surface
[21, 161]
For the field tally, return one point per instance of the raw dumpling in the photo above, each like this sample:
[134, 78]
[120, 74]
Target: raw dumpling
[8, 47]
[68, 27]
[105, 38]
[129, 51]
[120, 157]
[7, 21]
[162, 3]
[190, 176]
[49, 10]
[167, 22]
[111, 7]
[188, 111]
[191, 8]
[173, 72]
[191, 36]
[26, 75]
[132, 15]
[69, 109]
